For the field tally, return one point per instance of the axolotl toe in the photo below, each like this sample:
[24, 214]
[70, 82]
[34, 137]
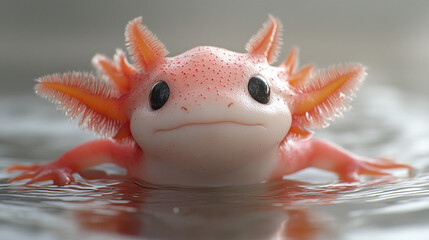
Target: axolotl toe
[207, 117]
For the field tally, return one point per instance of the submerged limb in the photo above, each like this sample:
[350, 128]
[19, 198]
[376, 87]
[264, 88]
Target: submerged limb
[77, 159]
[327, 156]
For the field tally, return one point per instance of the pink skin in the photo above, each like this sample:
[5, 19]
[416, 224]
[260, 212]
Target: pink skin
[324, 155]
[210, 131]
[80, 158]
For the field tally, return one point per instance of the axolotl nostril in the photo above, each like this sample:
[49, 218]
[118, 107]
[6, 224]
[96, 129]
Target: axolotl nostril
[207, 117]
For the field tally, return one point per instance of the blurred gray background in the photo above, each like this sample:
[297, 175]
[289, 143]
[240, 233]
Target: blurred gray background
[390, 37]
[390, 116]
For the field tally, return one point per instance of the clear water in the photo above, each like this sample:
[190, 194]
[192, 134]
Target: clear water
[308, 205]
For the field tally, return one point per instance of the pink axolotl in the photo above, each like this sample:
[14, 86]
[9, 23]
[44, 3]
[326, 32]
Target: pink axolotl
[207, 117]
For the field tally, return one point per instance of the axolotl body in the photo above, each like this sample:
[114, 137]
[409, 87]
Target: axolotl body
[207, 117]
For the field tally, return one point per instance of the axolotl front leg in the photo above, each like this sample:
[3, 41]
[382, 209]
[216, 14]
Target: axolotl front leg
[82, 157]
[327, 156]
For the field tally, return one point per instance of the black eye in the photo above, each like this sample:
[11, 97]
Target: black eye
[159, 95]
[259, 89]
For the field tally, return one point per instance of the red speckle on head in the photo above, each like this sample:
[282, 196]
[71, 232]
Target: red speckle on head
[200, 71]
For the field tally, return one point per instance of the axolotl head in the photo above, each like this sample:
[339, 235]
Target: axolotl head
[208, 110]
[211, 103]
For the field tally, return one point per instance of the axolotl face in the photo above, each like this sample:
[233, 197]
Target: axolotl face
[210, 111]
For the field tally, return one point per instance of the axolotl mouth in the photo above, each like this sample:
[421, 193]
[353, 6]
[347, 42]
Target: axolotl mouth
[209, 124]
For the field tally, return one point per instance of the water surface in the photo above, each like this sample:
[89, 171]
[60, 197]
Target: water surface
[308, 205]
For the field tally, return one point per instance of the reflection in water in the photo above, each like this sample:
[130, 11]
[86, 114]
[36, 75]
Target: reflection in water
[121, 208]
[267, 211]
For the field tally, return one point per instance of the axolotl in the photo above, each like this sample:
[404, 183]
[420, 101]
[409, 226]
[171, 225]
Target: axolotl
[207, 117]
